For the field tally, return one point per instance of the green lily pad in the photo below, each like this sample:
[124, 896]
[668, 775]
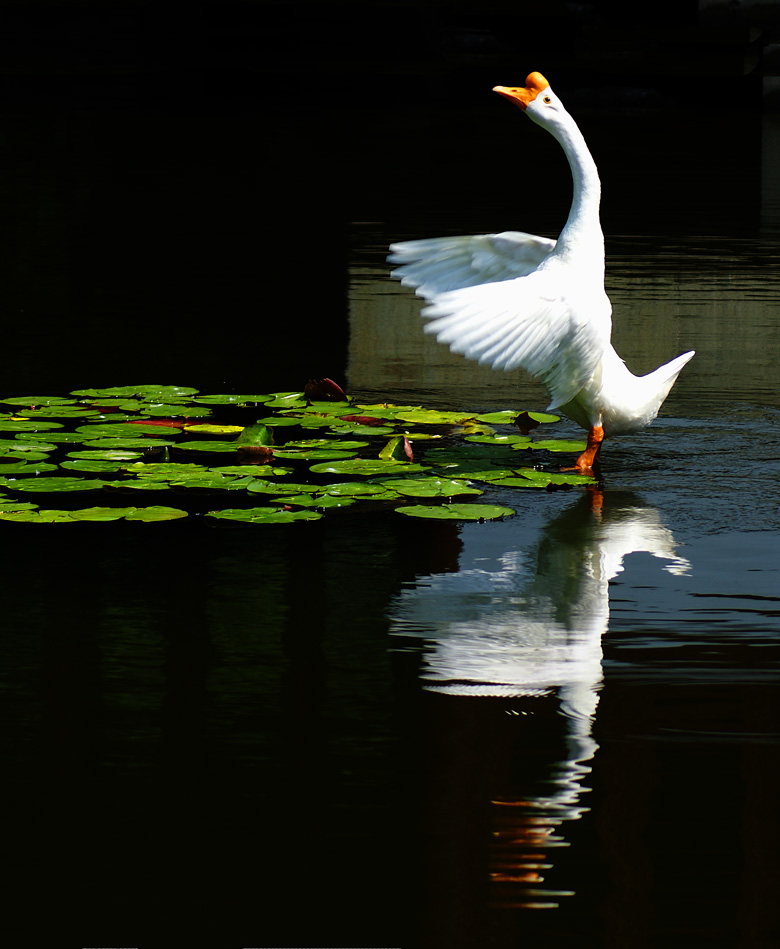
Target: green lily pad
[217, 445]
[362, 489]
[264, 515]
[429, 487]
[315, 501]
[120, 430]
[136, 484]
[255, 471]
[30, 401]
[37, 517]
[28, 425]
[433, 417]
[25, 468]
[156, 513]
[366, 466]
[282, 487]
[510, 441]
[101, 513]
[256, 435]
[165, 471]
[349, 428]
[313, 454]
[64, 484]
[286, 400]
[92, 467]
[457, 512]
[110, 454]
[558, 444]
[232, 399]
[150, 392]
[554, 477]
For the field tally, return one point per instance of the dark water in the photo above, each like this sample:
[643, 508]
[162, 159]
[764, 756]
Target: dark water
[369, 731]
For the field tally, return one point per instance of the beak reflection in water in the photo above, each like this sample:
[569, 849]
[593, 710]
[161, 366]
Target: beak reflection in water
[527, 623]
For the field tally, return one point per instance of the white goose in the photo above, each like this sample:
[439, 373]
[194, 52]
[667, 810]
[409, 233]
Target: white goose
[516, 300]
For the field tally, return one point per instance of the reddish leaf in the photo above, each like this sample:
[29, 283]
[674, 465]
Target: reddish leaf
[408, 449]
[323, 390]
[363, 419]
[164, 423]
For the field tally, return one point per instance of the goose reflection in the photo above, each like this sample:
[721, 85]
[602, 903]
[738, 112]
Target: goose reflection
[528, 622]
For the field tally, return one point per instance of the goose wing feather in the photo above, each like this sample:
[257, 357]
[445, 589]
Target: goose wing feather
[526, 322]
[442, 264]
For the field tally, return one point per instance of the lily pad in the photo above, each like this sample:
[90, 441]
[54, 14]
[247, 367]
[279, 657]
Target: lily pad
[457, 512]
[30, 401]
[558, 444]
[37, 517]
[150, 392]
[429, 487]
[25, 467]
[264, 515]
[46, 485]
[156, 513]
[258, 486]
[366, 466]
[232, 399]
[216, 445]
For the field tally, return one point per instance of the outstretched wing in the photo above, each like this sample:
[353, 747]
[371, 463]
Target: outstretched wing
[528, 322]
[451, 263]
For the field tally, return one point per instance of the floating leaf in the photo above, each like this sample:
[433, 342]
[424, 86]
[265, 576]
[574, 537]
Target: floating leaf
[101, 513]
[315, 501]
[25, 468]
[210, 428]
[312, 455]
[66, 484]
[433, 417]
[232, 399]
[264, 515]
[357, 489]
[27, 425]
[498, 418]
[122, 429]
[37, 517]
[215, 445]
[256, 435]
[318, 390]
[558, 444]
[512, 441]
[110, 454]
[37, 400]
[156, 513]
[256, 471]
[286, 400]
[280, 487]
[429, 487]
[398, 448]
[457, 512]
[150, 392]
[365, 466]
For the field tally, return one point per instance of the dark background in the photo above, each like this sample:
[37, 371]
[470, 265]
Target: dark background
[177, 183]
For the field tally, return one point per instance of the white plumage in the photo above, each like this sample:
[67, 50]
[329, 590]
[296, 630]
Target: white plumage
[515, 300]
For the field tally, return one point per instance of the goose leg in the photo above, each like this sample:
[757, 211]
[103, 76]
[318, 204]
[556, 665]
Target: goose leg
[588, 458]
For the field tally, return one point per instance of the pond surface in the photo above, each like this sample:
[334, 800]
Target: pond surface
[374, 731]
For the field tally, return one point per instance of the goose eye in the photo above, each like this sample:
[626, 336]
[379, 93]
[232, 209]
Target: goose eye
[547, 99]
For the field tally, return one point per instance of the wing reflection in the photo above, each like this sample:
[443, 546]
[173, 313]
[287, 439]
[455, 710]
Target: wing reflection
[528, 622]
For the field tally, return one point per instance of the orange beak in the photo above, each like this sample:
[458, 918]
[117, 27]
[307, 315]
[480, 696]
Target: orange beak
[534, 84]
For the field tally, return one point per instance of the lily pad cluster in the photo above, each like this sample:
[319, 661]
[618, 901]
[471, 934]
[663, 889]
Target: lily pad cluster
[151, 453]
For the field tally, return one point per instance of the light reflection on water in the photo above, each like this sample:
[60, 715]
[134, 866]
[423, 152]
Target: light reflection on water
[526, 622]
[678, 664]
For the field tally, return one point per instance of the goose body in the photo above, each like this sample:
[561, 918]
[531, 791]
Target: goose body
[514, 300]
